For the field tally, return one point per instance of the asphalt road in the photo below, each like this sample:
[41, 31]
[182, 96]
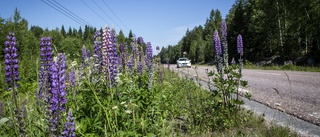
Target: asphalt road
[293, 92]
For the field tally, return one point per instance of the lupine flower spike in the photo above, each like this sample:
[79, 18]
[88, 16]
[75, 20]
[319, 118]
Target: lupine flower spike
[149, 63]
[240, 45]
[58, 93]
[11, 61]
[69, 126]
[46, 63]
[224, 42]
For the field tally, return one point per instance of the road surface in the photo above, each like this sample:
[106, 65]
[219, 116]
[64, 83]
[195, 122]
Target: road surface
[296, 93]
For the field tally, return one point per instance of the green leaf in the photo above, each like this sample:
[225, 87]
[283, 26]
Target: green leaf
[150, 135]
[3, 120]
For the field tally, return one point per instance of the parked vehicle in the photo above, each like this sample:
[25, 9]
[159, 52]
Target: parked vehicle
[183, 62]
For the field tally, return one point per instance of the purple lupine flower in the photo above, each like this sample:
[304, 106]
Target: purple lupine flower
[139, 67]
[11, 60]
[46, 63]
[57, 93]
[72, 77]
[224, 29]
[130, 64]
[122, 48]
[168, 62]
[140, 40]
[113, 57]
[157, 48]
[88, 54]
[105, 46]
[69, 127]
[148, 55]
[240, 45]
[110, 56]
[134, 38]
[84, 53]
[58, 86]
[217, 43]
[120, 60]
[149, 63]
[97, 46]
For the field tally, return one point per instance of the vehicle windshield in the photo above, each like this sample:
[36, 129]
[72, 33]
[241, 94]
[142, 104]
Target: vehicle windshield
[183, 59]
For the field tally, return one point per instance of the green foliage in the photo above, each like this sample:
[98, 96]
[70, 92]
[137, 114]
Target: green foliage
[271, 29]
[175, 106]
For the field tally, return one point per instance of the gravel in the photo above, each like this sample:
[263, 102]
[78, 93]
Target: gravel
[292, 92]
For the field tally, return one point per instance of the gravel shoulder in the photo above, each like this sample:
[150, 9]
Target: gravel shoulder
[292, 92]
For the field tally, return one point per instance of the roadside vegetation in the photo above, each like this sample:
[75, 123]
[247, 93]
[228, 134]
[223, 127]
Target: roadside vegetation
[289, 67]
[107, 88]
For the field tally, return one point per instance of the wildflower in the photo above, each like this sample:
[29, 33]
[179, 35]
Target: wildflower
[88, 54]
[97, 46]
[168, 62]
[113, 57]
[72, 77]
[157, 48]
[46, 63]
[217, 43]
[130, 64]
[128, 111]
[122, 48]
[140, 40]
[139, 67]
[240, 45]
[84, 53]
[123, 103]
[57, 93]
[110, 56]
[11, 61]
[69, 126]
[149, 54]
[105, 43]
[149, 63]
[224, 29]
[115, 107]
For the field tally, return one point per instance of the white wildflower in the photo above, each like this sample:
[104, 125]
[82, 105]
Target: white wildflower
[115, 107]
[128, 111]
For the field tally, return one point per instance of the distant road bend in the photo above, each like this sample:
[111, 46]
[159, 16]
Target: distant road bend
[296, 93]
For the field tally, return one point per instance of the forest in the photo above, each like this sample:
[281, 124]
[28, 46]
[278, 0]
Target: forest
[274, 32]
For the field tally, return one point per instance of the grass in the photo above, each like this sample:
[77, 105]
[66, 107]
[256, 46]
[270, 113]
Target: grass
[284, 67]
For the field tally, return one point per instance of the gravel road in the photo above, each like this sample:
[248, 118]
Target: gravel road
[293, 92]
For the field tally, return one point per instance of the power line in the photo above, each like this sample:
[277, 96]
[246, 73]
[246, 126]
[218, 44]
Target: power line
[66, 12]
[62, 13]
[73, 13]
[115, 15]
[93, 11]
[105, 13]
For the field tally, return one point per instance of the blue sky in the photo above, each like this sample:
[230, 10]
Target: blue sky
[161, 22]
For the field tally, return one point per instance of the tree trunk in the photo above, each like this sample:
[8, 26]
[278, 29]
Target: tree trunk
[279, 26]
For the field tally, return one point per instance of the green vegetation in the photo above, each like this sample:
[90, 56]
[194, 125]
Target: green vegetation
[274, 31]
[284, 67]
[152, 101]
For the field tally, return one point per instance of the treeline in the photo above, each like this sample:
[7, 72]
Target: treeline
[273, 31]
[69, 41]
